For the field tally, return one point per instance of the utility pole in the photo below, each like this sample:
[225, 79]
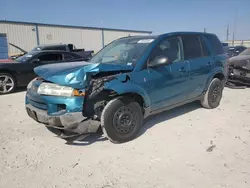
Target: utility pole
[205, 30]
[235, 24]
[227, 31]
[233, 39]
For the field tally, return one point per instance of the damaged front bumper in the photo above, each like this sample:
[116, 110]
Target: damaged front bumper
[64, 114]
[238, 76]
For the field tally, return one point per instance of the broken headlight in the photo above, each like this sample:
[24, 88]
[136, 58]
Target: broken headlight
[55, 90]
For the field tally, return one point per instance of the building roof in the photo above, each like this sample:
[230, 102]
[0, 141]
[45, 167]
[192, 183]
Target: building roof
[72, 26]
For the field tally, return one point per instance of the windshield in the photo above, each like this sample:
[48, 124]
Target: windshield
[26, 57]
[123, 51]
[245, 52]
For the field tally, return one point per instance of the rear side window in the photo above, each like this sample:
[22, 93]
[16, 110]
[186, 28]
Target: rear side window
[191, 46]
[215, 44]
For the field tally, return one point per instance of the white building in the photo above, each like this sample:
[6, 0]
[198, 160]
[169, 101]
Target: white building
[27, 35]
[245, 43]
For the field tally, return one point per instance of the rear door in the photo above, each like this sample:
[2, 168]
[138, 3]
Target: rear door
[219, 58]
[201, 63]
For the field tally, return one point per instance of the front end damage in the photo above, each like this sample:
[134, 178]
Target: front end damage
[239, 75]
[77, 116]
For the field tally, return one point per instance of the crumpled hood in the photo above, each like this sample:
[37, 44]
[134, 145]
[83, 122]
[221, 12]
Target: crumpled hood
[73, 74]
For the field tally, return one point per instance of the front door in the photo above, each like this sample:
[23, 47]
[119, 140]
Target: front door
[167, 84]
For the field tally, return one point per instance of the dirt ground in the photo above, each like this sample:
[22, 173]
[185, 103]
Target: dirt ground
[182, 148]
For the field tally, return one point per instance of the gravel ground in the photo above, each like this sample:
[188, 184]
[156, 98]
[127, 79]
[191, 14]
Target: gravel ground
[182, 148]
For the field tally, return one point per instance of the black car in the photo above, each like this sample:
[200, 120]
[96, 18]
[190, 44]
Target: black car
[239, 69]
[19, 73]
[65, 47]
[235, 50]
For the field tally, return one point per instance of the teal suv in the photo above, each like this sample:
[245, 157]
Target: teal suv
[127, 81]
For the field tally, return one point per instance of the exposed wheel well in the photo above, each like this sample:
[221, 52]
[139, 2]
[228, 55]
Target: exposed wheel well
[8, 72]
[220, 76]
[138, 98]
[101, 99]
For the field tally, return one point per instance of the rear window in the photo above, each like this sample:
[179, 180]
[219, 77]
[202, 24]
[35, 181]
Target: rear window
[191, 46]
[63, 48]
[215, 44]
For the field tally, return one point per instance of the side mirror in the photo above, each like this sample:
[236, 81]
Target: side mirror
[35, 60]
[159, 61]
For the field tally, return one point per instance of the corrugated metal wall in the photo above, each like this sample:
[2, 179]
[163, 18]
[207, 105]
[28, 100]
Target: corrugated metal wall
[22, 35]
[81, 38]
[25, 35]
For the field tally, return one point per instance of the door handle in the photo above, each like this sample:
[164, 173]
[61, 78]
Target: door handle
[209, 64]
[182, 69]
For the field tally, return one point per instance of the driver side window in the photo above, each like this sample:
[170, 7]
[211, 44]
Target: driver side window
[169, 48]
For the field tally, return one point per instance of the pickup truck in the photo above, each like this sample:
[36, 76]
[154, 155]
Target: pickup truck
[65, 47]
[127, 81]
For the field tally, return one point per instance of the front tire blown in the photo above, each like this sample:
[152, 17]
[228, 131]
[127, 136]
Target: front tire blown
[213, 94]
[121, 120]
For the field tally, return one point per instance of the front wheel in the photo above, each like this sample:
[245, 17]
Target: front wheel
[213, 94]
[121, 119]
[7, 83]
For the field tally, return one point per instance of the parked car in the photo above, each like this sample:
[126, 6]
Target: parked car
[20, 72]
[239, 69]
[65, 47]
[236, 50]
[128, 80]
[23, 52]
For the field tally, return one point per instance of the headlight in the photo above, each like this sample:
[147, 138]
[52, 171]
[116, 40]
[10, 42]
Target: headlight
[54, 89]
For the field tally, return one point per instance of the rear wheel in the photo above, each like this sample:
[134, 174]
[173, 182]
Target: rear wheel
[7, 83]
[213, 95]
[121, 119]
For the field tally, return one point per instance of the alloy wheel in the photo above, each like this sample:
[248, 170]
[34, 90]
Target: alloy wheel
[6, 84]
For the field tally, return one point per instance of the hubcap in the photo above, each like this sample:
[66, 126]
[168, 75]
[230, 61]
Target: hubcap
[124, 120]
[6, 84]
[216, 93]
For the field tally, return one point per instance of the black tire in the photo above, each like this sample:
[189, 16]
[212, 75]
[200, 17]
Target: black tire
[10, 79]
[213, 94]
[121, 120]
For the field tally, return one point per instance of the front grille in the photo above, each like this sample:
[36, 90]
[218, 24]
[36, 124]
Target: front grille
[37, 104]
